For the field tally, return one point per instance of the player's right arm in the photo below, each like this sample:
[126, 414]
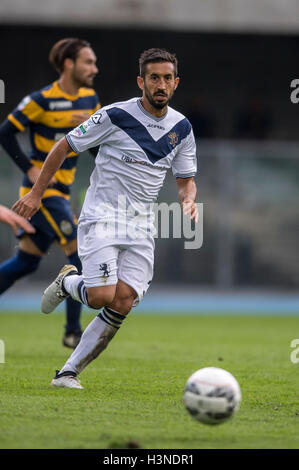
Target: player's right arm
[27, 111]
[96, 130]
[29, 204]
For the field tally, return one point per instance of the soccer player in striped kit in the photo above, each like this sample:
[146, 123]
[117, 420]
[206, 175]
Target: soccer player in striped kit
[139, 139]
[51, 113]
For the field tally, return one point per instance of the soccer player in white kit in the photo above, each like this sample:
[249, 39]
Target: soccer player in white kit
[139, 139]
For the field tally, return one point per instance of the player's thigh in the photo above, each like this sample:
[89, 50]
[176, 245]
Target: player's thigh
[61, 222]
[136, 266]
[70, 247]
[99, 258]
[28, 245]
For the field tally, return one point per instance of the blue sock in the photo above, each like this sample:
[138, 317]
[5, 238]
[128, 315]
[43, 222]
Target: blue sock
[73, 308]
[16, 267]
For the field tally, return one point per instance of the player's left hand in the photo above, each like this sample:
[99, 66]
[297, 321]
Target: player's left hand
[27, 206]
[15, 221]
[78, 118]
[190, 207]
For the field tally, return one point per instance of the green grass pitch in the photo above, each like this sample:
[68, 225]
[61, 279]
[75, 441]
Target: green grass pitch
[133, 391]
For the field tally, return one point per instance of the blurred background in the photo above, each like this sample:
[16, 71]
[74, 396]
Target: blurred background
[237, 59]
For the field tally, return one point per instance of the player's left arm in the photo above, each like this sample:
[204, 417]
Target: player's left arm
[184, 168]
[187, 196]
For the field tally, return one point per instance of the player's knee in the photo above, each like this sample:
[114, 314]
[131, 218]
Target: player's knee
[122, 306]
[123, 301]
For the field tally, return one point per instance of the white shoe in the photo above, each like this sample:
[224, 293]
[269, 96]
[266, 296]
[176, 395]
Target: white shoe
[67, 379]
[55, 293]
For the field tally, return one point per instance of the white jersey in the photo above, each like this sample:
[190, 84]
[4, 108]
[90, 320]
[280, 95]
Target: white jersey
[136, 149]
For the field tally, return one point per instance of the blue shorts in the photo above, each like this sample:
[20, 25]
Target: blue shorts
[54, 221]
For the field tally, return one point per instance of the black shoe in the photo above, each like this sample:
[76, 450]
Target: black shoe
[71, 340]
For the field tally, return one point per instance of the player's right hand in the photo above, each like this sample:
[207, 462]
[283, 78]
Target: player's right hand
[33, 174]
[27, 206]
[15, 221]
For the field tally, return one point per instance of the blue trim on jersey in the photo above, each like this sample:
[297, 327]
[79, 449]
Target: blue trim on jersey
[188, 175]
[71, 144]
[155, 150]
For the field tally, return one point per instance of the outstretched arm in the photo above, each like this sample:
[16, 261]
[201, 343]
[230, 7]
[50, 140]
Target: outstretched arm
[14, 220]
[187, 195]
[29, 204]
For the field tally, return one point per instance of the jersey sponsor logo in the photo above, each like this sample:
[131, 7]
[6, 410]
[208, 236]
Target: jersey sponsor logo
[96, 119]
[78, 131]
[127, 159]
[60, 105]
[174, 138]
[66, 227]
[24, 103]
[82, 128]
[156, 126]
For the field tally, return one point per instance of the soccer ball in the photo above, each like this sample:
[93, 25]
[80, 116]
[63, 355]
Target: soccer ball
[212, 395]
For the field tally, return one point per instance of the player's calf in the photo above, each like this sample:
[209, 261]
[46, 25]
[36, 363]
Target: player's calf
[95, 339]
[20, 265]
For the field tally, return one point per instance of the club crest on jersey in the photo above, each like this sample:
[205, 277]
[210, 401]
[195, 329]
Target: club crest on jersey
[105, 269]
[174, 138]
[66, 227]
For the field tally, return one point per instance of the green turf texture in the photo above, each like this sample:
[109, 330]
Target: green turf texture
[133, 392]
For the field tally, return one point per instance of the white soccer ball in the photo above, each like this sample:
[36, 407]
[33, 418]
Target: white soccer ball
[212, 395]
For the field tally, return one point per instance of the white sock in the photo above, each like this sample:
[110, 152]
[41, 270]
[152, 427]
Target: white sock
[74, 285]
[94, 339]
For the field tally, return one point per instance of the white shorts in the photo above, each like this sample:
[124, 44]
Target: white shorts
[105, 260]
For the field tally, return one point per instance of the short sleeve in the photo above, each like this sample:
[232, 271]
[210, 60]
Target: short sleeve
[95, 131]
[28, 110]
[184, 164]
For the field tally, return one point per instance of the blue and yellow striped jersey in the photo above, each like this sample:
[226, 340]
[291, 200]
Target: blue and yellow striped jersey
[48, 113]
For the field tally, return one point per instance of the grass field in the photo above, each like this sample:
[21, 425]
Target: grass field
[133, 392]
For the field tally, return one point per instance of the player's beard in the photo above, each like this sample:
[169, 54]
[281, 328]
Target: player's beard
[81, 81]
[154, 103]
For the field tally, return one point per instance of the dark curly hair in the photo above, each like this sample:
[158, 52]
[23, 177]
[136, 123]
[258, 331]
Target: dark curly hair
[156, 55]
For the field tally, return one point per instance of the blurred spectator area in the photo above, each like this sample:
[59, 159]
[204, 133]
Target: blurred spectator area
[232, 84]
